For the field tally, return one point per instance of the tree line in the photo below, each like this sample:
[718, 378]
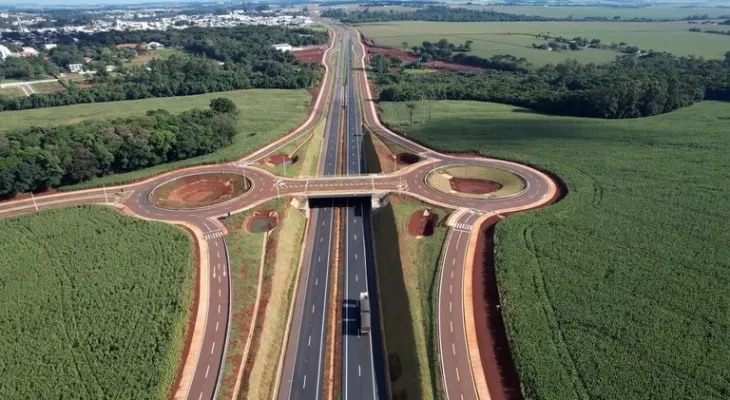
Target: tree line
[440, 13]
[628, 87]
[214, 59]
[40, 158]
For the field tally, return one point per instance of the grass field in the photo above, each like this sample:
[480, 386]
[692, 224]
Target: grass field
[594, 11]
[265, 115]
[94, 305]
[407, 279]
[47, 87]
[516, 38]
[244, 249]
[620, 290]
[12, 91]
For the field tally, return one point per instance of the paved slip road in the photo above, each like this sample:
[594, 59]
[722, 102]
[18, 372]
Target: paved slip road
[454, 352]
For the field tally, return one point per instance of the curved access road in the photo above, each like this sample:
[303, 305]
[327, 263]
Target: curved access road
[462, 377]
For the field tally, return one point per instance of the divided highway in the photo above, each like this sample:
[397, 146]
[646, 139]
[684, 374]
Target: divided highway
[304, 360]
[363, 367]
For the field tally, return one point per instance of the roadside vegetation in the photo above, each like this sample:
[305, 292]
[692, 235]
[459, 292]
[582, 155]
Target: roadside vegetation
[407, 271]
[99, 313]
[38, 158]
[620, 289]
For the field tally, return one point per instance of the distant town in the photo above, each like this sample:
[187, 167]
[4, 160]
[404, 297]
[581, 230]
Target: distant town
[19, 30]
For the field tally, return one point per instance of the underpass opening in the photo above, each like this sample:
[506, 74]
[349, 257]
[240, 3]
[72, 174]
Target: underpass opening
[339, 201]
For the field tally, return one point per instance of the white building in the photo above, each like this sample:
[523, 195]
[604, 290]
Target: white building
[75, 68]
[4, 52]
[50, 46]
[155, 45]
[28, 51]
[283, 46]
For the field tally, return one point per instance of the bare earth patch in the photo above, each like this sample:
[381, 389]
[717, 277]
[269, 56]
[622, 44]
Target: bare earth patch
[310, 54]
[201, 190]
[474, 186]
[422, 223]
[279, 159]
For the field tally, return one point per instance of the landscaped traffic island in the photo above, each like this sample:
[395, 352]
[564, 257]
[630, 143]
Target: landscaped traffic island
[199, 190]
[475, 181]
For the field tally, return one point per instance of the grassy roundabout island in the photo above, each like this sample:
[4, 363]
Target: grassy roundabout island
[475, 181]
[199, 190]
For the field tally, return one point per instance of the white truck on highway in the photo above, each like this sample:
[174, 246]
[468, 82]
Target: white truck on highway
[364, 314]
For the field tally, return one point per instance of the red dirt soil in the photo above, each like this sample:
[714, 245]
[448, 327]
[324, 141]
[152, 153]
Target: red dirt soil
[473, 186]
[192, 316]
[407, 158]
[201, 191]
[310, 54]
[500, 372]
[408, 57]
[421, 225]
[144, 58]
[280, 159]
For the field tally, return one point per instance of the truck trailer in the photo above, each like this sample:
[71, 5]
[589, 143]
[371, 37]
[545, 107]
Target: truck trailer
[364, 314]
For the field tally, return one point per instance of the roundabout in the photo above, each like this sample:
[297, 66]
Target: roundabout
[475, 181]
[197, 191]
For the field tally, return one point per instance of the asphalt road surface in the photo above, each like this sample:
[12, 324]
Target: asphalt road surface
[363, 373]
[304, 363]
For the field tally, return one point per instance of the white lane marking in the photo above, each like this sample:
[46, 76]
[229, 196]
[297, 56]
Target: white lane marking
[453, 261]
[356, 256]
[359, 371]
[219, 308]
[312, 308]
[219, 281]
[212, 348]
[316, 282]
[322, 223]
[309, 342]
[356, 278]
[355, 237]
[207, 369]
[449, 306]
[319, 258]
[451, 326]
[452, 274]
[457, 375]
[218, 254]
[305, 382]
[320, 239]
[453, 348]
[219, 289]
[201, 396]
[216, 326]
[451, 289]
[216, 244]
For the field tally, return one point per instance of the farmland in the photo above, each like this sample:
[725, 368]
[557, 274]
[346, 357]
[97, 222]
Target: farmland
[609, 12]
[265, 115]
[516, 38]
[99, 313]
[619, 290]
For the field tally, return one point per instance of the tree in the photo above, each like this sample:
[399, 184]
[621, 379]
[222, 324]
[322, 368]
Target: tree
[223, 105]
[404, 45]
[727, 59]
[411, 109]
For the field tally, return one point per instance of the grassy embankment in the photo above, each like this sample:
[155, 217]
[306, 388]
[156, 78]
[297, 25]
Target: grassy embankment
[516, 38]
[265, 115]
[619, 290]
[407, 270]
[99, 313]
[282, 259]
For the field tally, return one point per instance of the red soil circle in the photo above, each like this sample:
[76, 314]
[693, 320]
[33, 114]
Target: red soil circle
[262, 221]
[279, 159]
[200, 190]
[420, 224]
[407, 158]
[474, 186]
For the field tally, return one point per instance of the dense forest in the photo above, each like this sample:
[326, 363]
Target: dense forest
[628, 87]
[39, 158]
[214, 59]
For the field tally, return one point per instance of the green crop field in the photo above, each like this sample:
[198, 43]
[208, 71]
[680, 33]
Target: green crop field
[610, 12]
[619, 291]
[94, 305]
[516, 38]
[265, 115]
